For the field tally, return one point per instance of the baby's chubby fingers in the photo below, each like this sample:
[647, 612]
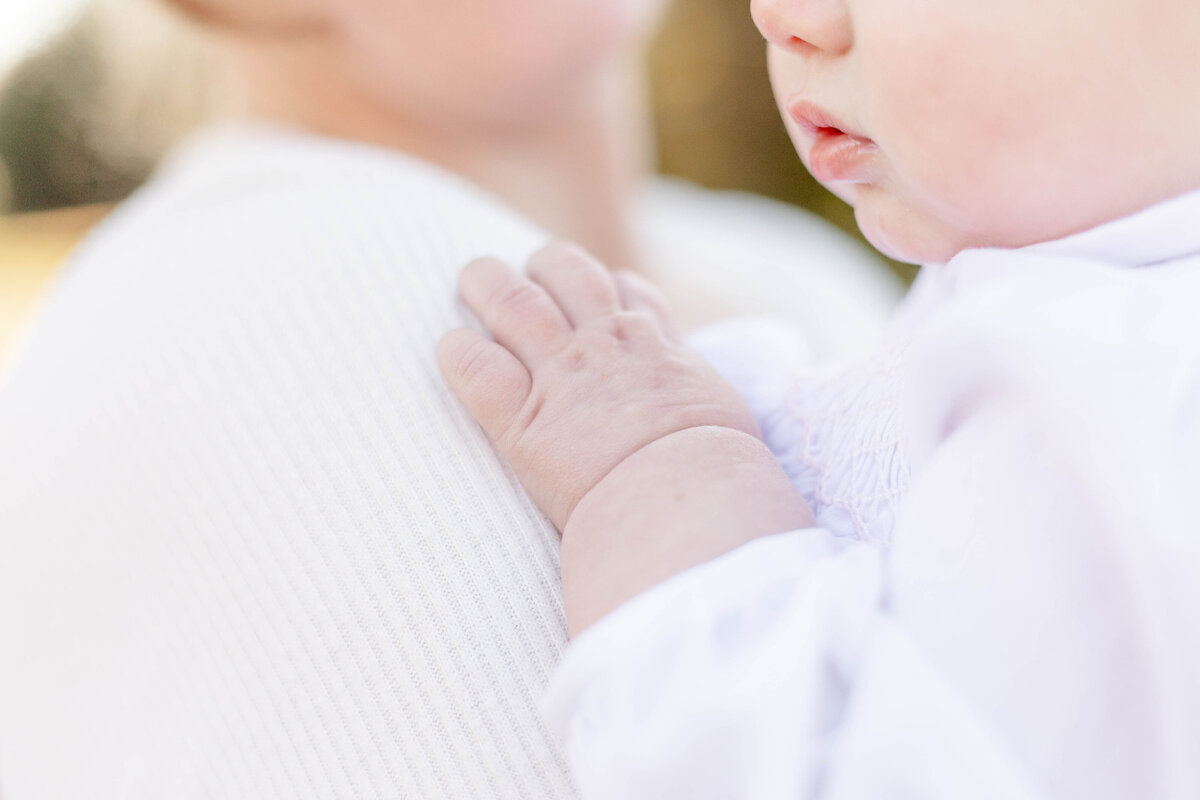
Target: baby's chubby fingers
[489, 380]
[583, 288]
[639, 294]
[521, 315]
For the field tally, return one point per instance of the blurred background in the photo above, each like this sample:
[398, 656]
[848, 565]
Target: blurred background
[85, 115]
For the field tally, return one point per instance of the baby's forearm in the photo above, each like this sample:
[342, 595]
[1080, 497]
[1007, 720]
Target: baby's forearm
[685, 499]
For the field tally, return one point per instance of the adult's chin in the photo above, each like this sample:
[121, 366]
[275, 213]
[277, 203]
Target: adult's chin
[639, 18]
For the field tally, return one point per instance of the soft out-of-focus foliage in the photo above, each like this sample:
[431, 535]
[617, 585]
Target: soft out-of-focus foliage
[85, 119]
[46, 143]
[717, 120]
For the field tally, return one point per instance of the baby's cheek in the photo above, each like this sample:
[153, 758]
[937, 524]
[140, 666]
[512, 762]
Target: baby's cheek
[948, 131]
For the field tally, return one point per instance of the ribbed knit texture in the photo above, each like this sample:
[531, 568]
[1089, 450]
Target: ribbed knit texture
[225, 521]
[250, 546]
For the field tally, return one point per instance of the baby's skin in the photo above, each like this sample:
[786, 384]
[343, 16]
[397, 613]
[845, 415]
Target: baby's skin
[948, 126]
[646, 460]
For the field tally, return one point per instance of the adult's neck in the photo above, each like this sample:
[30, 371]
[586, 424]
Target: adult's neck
[572, 173]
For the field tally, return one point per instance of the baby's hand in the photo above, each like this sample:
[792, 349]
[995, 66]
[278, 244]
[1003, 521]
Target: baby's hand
[646, 460]
[585, 371]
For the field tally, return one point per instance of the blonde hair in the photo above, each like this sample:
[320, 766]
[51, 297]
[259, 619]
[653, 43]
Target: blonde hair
[158, 79]
[100, 105]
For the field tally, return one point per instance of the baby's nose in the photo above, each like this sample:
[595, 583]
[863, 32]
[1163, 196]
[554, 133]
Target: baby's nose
[803, 26]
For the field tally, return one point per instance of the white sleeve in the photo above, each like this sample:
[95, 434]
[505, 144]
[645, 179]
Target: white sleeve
[1020, 640]
[762, 676]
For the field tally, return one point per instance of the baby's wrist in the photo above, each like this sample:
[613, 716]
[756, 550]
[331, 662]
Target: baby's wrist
[680, 501]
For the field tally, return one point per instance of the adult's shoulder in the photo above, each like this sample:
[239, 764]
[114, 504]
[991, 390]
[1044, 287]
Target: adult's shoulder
[281, 247]
[256, 189]
[235, 486]
[262, 275]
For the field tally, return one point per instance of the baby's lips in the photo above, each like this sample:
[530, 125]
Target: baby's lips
[813, 118]
[836, 157]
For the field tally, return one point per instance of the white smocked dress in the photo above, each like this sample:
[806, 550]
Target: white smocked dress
[1002, 596]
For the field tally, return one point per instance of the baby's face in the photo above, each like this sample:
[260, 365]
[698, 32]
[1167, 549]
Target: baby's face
[951, 124]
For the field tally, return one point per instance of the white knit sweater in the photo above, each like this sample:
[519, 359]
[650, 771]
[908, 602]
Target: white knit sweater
[250, 547]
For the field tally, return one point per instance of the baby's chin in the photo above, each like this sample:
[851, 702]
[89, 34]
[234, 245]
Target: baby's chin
[899, 232]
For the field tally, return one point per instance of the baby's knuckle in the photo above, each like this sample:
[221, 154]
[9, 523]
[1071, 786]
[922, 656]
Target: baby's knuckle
[474, 361]
[575, 357]
[531, 411]
[558, 257]
[518, 299]
[628, 326]
[540, 327]
[521, 436]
